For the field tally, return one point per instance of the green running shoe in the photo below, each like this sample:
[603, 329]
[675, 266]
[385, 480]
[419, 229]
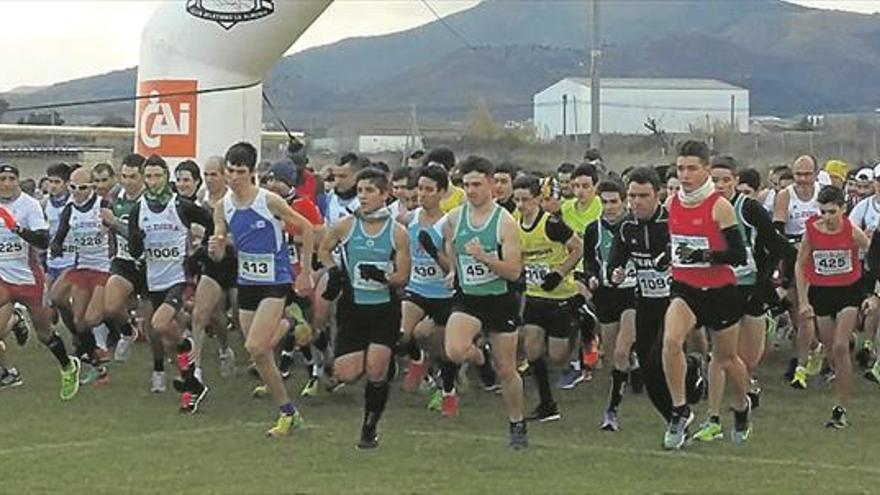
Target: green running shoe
[800, 378]
[286, 423]
[873, 373]
[709, 431]
[311, 388]
[814, 360]
[70, 379]
[436, 401]
[772, 326]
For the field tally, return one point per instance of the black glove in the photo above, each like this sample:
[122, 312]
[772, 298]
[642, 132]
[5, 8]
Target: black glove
[428, 244]
[551, 281]
[335, 279]
[373, 272]
[661, 263]
[690, 255]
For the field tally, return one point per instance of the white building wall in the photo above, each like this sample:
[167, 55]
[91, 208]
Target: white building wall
[625, 110]
[381, 144]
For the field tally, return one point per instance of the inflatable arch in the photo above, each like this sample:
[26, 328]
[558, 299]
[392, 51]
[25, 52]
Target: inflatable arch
[202, 45]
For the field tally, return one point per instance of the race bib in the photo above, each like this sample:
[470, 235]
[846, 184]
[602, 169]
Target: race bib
[12, 247]
[654, 284]
[535, 274]
[427, 273]
[832, 261]
[365, 284]
[256, 267]
[694, 242]
[122, 246]
[163, 252]
[88, 242]
[474, 272]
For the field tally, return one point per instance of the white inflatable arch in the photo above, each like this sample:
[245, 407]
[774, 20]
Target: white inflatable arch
[202, 45]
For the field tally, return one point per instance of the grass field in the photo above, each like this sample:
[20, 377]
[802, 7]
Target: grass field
[122, 439]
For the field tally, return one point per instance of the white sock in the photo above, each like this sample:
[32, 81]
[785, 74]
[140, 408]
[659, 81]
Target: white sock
[101, 332]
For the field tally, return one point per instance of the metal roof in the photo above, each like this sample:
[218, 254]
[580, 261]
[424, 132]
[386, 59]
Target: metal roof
[658, 83]
[49, 150]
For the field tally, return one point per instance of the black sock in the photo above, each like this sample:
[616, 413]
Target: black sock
[125, 329]
[288, 342]
[680, 411]
[448, 372]
[159, 365]
[542, 379]
[67, 317]
[322, 342]
[375, 398]
[413, 351]
[618, 378]
[87, 344]
[309, 360]
[56, 346]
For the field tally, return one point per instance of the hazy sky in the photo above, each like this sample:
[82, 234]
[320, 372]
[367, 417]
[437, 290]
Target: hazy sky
[43, 41]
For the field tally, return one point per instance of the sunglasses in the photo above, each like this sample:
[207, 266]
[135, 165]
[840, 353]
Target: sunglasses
[80, 187]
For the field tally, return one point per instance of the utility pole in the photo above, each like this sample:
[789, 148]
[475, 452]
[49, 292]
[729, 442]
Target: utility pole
[412, 135]
[732, 122]
[595, 102]
[565, 125]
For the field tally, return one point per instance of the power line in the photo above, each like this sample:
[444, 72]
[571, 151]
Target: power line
[125, 99]
[449, 27]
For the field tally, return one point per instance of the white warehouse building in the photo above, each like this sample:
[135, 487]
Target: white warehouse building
[626, 105]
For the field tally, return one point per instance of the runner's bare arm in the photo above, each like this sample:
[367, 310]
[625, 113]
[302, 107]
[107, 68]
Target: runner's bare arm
[402, 261]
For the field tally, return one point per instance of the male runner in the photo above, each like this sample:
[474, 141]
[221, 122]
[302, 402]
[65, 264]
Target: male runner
[828, 272]
[24, 230]
[550, 251]
[706, 245]
[484, 241]
[615, 303]
[255, 219]
[375, 262]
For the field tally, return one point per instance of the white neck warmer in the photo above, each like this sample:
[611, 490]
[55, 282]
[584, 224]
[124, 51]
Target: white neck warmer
[698, 195]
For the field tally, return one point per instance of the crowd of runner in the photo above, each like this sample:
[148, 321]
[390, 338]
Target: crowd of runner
[677, 280]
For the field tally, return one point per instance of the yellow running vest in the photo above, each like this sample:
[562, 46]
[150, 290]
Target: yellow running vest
[541, 255]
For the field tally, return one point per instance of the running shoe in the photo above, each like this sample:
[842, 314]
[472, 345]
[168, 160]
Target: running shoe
[838, 419]
[755, 396]
[709, 431]
[814, 360]
[676, 431]
[186, 399]
[260, 391]
[196, 399]
[828, 375]
[799, 381]
[523, 366]
[10, 379]
[771, 326]
[311, 388]
[369, 438]
[157, 384]
[227, 362]
[285, 423]
[70, 379]
[609, 421]
[519, 436]
[449, 405]
[545, 412]
[570, 378]
[742, 426]
[415, 373]
[435, 403]
[24, 326]
[88, 373]
[873, 373]
[123, 348]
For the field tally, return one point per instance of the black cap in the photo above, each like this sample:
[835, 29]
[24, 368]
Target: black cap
[283, 170]
[7, 168]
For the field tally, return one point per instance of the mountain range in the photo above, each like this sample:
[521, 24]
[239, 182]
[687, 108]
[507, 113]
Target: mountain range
[793, 59]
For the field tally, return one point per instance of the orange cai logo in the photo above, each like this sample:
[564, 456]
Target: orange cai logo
[166, 120]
